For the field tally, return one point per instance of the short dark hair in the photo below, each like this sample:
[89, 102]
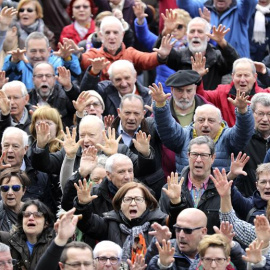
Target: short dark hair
[48, 216]
[15, 171]
[74, 244]
[203, 140]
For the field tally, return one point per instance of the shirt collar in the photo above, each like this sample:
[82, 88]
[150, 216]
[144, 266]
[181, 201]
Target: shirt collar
[204, 184]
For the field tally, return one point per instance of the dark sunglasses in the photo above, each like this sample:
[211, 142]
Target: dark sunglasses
[35, 214]
[180, 26]
[185, 230]
[5, 188]
[27, 9]
[84, 7]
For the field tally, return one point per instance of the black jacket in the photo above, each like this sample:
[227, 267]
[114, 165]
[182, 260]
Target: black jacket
[209, 202]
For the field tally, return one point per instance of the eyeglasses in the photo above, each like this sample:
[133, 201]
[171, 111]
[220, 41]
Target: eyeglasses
[8, 262]
[40, 76]
[185, 230]
[137, 199]
[94, 104]
[83, 6]
[264, 182]
[113, 260]
[77, 265]
[180, 26]
[216, 260]
[204, 156]
[6, 188]
[35, 214]
[30, 10]
[262, 114]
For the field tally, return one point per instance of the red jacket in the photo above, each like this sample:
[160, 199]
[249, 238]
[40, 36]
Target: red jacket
[70, 32]
[219, 97]
[141, 60]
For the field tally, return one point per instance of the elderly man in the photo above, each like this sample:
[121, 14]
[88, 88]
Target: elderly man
[244, 79]
[19, 66]
[234, 14]
[6, 261]
[207, 122]
[15, 110]
[112, 32]
[47, 92]
[123, 80]
[219, 60]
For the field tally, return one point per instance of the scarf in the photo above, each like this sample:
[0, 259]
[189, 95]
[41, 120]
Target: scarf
[37, 26]
[82, 31]
[9, 219]
[112, 188]
[259, 30]
[135, 241]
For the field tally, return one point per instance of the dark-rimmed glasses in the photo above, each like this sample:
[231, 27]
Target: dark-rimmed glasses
[113, 260]
[185, 230]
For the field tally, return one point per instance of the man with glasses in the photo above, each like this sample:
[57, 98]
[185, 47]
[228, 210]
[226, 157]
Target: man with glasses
[47, 91]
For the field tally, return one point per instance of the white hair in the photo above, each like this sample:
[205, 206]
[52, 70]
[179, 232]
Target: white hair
[109, 20]
[121, 63]
[107, 246]
[14, 84]
[111, 160]
[15, 130]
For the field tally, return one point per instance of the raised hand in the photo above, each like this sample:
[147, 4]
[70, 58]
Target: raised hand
[108, 121]
[222, 185]
[138, 10]
[260, 67]
[3, 79]
[241, 101]
[165, 47]
[64, 77]
[253, 252]
[76, 49]
[166, 252]
[142, 143]
[4, 103]
[2, 165]
[69, 143]
[98, 64]
[110, 146]
[205, 14]
[170, 21]
[262, 229]
[6, 17]
[81, 102]
[174, 188]
[88, 161]
[43, 134]
[139, 263]
[160, 232]
[158, 94]
[83, 192]
[65, 50]
[237, 165]
[218, 35]
[198, 64]
[18, 55]
[65, 227]
[226, 229]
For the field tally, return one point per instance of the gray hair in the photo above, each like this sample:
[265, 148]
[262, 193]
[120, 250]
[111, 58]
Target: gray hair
[109, 20]
[107, 246]
[90, 119]
[245, 61]
[36, 35]
[111, 160]
[262, 98]
[209, 106]
[14, 84]
[203, 140]
[15, 130]
[264, 167]
[121, 63]
[4, 247]
[207, 26]
[130, 97]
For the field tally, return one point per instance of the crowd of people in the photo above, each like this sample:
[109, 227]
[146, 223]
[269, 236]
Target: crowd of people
[135, 134]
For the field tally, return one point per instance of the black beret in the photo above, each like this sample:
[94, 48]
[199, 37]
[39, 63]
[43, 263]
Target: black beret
[183, 78]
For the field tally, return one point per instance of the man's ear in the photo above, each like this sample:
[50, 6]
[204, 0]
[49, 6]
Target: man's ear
[108, 175]
[61, 265]
[118, 111]
[144, 112]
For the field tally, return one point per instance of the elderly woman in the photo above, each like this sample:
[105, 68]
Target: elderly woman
[13, 183]
[29, 17]
[214, 251]
[32, 236]
[81, 12]
[135, 209]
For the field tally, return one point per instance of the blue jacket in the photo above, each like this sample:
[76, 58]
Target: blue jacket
[148, 39]
[177, 138]
[24, 72]
[236, 18]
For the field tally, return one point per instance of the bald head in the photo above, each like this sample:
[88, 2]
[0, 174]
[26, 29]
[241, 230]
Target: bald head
[194, 217]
